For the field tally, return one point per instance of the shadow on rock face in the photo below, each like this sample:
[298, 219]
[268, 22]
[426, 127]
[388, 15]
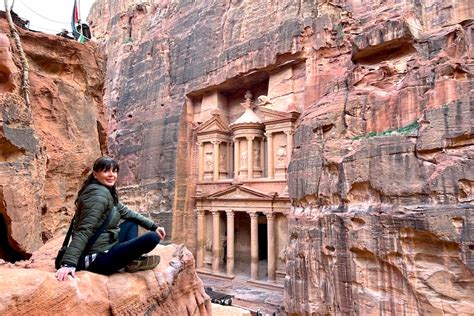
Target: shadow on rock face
[7, 252]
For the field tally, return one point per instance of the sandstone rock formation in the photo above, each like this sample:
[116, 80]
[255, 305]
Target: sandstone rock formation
[172, 288]
[381, 176]
[45, 152]
[47, 149]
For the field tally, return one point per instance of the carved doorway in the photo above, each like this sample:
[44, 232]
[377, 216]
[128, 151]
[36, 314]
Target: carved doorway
[262, 251]
[242, 244]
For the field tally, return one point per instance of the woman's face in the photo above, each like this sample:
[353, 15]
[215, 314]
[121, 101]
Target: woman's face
[106, 177]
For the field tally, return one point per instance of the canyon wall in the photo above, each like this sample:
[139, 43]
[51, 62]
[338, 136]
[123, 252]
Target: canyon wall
[381, 176]
[47, 148]
[46, 151]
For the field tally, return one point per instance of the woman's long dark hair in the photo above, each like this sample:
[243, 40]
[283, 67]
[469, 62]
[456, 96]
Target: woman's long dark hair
[101, 164]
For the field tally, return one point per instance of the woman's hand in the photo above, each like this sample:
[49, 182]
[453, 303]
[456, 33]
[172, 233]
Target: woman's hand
[63, 272]
[161, 232]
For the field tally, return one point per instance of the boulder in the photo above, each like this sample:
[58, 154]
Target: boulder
[172, 288]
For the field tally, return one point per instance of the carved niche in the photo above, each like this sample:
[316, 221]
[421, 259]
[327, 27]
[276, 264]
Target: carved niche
[214, 143]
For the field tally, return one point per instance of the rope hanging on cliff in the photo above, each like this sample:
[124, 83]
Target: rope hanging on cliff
[25, 82]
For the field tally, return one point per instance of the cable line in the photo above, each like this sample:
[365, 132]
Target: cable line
[42, 15]
[33, 28]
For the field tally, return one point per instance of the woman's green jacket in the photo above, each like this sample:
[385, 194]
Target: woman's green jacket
[93, 207]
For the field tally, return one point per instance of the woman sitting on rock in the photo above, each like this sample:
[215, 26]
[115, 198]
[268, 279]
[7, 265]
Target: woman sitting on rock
[118, 246]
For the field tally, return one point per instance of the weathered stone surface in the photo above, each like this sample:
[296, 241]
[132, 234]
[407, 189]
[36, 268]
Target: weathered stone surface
[46, 149]
[154, 61]
[172, 288]
[381, 176]
[410, 261]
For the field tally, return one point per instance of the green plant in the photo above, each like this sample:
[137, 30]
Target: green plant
[404, 130]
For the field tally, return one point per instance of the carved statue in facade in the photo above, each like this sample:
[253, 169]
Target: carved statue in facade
[209, 161]
[222, 161]
[243, 158]
[281, 155]
[264, 100]
[256, 154]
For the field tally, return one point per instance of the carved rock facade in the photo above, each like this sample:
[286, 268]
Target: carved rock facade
[241, 193]
[381, 173]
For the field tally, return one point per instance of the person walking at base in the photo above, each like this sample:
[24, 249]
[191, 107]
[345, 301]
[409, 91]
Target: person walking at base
[118, 246]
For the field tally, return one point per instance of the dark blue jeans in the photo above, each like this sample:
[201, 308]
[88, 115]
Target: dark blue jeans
[130, 247]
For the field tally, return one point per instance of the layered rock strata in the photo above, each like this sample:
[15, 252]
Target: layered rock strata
[48, 148]
[381, 176]
[382, 173]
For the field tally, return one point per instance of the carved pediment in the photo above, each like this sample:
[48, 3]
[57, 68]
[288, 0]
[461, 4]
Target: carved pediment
[271, 115]
[215, 124]
[237, 192]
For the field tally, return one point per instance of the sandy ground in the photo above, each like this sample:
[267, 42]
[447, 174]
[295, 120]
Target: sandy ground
[220, 310]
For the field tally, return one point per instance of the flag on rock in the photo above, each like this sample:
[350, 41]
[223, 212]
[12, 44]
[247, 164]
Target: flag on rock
[75, 21]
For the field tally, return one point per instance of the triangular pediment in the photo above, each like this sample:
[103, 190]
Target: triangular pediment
[238, 192]
[215, 124]
[274, 115]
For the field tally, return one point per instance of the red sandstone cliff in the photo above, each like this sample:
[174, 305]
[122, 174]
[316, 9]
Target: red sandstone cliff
[45, 152]
[45, 148]
[381, 175]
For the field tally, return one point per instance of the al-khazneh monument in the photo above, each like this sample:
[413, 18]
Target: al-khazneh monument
[243, 151]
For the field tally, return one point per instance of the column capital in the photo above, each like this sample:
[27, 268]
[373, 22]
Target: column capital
[214, 212]
[200, 212]
[200, 143]
[250, 138]
[268, 134]
[270, 215]
[289, 132]
[230, 213]
[216, 142]
[253, 214]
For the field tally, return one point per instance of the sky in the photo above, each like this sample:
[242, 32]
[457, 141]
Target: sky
[49, 16]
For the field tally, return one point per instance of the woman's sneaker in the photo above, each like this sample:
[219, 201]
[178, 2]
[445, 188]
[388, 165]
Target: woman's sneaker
[143, 263]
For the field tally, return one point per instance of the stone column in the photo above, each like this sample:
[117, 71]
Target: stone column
[228, 161]
[201, 160]
[230, 243]
[216, 160]
[250, 157]
[271, 247]
[200, 238]
[253, 246]
[289, 145]
[271, 169]
[216, 242]
[236, 158]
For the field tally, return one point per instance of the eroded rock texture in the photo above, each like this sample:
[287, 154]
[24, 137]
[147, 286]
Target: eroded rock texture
[381, 175]
[172, 288]
[160, 51]
[46, 149]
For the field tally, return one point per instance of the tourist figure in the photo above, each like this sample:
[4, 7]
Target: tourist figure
[118, 246]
